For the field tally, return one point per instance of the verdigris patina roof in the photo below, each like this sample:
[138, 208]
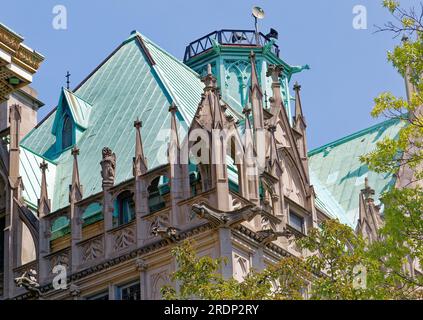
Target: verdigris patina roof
[139, 80]
[337, 173]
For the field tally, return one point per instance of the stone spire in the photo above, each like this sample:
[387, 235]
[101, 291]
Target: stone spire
[174, 145]
[75, 195]
[275, 72]
[249, 138]
[273, 154]
[250, 162]
[370, 220]
[256, 96]
[44, 205]
[75, 187]
[299, 116]
[300, 128]
[139, 161]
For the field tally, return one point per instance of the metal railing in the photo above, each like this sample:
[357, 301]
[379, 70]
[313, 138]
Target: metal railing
[229, 37]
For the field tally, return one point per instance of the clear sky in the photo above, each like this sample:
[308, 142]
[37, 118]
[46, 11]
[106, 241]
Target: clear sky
[348, 66]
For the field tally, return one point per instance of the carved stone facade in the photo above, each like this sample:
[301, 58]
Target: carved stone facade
[244, 194]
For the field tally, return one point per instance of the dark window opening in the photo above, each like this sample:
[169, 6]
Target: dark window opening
[157, 190]
[124, 208]
[67, 133]
[130, 292]
[296, 222]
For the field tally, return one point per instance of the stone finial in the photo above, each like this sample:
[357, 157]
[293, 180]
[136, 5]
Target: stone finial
[209, 80]
[108, 168]
[75, 151]
[138, 124]
[368, 192]
[246, 111]
[43, 166]
[297, 87]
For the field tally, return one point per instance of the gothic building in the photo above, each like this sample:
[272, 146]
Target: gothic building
[148, 151]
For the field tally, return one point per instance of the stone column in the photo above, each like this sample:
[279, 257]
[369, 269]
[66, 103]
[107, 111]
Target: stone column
[142, 268]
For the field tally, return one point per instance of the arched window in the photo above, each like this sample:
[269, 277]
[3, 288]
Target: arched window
[124, 208]
[67, 132]
[157, 190]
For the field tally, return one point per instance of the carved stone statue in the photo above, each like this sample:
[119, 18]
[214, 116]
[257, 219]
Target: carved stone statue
[28, 280]
[108, 168]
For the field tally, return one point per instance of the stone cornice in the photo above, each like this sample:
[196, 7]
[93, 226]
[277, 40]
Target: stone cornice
[21, 55]
[137, 253]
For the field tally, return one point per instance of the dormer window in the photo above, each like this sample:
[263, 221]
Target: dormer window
[67, 132]
[71, 120]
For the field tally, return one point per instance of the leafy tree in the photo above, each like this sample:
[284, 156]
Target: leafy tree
[402, 235]
[200, 278]
[329, 272]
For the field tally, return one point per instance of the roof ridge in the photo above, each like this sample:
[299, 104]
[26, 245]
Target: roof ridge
[352, 136]
[165, 52]
[74, 94]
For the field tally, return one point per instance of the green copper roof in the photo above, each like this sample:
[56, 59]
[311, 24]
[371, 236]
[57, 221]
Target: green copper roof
[338, 175]
[140, 80]
[125, 87]
[79, 109]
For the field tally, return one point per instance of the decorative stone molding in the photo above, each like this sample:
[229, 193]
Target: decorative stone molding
[124, 238]
[59, 258]
[92, 249]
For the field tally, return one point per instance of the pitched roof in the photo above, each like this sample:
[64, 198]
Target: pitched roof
[138, 80]
[338, 175]
[79, 109]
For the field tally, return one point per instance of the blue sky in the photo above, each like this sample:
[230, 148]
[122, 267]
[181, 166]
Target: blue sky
[348, 66]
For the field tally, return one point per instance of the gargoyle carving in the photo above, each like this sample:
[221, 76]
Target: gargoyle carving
[225, 219]
[28, 280]
[162, 228]
[269, 235]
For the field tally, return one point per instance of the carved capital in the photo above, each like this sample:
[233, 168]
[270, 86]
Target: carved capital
[74, 290]
[141, 265]
[275, 72]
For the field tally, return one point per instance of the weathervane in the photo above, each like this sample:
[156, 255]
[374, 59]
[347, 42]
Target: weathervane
[258, 13]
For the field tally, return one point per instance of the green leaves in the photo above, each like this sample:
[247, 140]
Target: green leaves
[391, 5]
[400, 249]
[329, 271]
